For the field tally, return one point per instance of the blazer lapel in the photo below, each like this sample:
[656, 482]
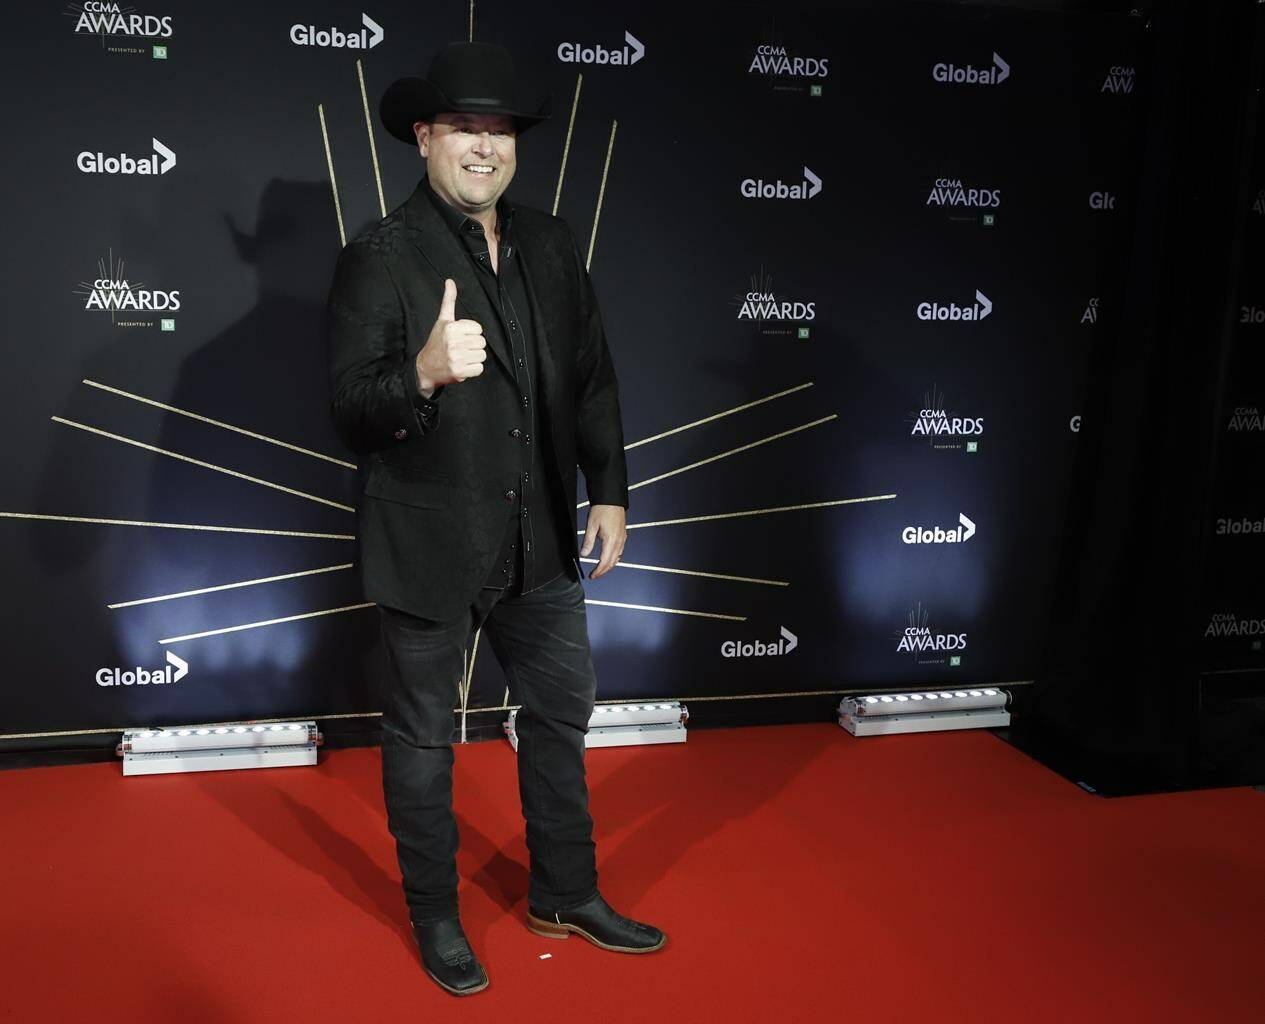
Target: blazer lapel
[432, 238]
[534, 281]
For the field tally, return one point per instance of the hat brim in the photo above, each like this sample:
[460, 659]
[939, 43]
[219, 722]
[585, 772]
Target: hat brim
[408, 100]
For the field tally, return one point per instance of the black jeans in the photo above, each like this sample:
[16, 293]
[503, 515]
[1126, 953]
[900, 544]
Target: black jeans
[541, 641]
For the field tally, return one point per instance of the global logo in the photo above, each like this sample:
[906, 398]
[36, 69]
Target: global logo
[1251, 315]
[786, 643]
[1226, 624]
[1258, 204]
[162, 160]
[1074, 424]
[936, 535]
[1119, 80]
[760, 303]
[1090, 316]
[334, 38]
[954, 312]
[579, 53]
[758, 188]
[110, 291]
[951, 192]
[770, 59]
[175, 670]
[1245, 418]
[1102, 201]
[917, 637]
[952, 74]
[1229, 526]
[108, 19]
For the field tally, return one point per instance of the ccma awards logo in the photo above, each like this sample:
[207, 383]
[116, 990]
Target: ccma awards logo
[917, 637]
[111, 292]
[98, 18]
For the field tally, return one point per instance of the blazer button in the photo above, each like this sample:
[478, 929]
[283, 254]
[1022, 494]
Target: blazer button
[515, 432]
[401, 434]
[510, 495]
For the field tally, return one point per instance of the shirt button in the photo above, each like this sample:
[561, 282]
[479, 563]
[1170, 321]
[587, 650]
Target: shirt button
[510, 495]
[520, 362]
[527, 438]
[524, 512]
[513, 326]
[516, 432]
[524, 399]
[401, 434]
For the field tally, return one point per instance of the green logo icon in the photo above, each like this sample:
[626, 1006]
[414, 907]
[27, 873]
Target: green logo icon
[801, 333]
[168, 323]
[160, 52]
[955, 659]
[990, 219]
[814, 90]
[972, 446]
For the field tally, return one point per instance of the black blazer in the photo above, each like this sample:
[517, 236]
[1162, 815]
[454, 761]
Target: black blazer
[433, 509]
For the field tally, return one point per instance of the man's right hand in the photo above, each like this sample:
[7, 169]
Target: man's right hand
[455, 350]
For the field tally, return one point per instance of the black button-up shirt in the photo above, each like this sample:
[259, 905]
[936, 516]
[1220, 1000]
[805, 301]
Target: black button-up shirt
[531, 546]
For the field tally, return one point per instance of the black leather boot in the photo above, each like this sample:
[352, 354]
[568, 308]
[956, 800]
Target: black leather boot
[598, 923]
[447, 957]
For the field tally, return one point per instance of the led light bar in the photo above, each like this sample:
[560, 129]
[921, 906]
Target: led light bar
[203, 748]
[621, 725]
[924, 711]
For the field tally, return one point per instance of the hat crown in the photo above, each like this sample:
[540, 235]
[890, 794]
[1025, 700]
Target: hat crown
[467, 77]
[473, 70]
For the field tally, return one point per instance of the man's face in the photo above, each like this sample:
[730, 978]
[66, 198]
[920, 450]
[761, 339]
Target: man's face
[459, 148]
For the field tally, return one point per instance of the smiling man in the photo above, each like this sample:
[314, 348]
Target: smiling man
[469, 369]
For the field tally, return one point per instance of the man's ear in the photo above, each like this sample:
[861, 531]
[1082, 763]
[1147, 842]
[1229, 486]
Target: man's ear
[422, 131]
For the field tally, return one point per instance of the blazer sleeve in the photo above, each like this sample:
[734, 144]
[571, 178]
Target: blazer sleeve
[374, 396]
[599, 428]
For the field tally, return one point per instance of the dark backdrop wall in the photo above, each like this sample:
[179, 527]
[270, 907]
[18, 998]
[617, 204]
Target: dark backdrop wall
[851, 263]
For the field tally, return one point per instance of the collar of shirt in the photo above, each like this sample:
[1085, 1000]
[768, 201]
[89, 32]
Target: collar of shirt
[467, 229]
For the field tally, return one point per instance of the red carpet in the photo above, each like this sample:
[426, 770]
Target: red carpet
[801, 874]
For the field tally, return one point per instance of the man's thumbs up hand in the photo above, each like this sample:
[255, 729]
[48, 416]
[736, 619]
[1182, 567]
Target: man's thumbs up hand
[455, 350]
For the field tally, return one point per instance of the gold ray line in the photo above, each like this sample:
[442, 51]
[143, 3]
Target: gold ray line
[610, 145]
[266, 622]
[566, 145]
[204, 465]
[754, 512]
[743, 696]
[177, 526]
[467, 674]
[695, 572]
[217, 423]
[716, 416]
[373, 146]
[732, 451]
[333, 182]
[671, 611]
[230, 586]
[505, 707]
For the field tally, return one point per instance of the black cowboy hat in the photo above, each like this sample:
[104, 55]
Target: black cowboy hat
[470, 78]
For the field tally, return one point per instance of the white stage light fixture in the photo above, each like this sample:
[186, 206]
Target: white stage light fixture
[880, 714]
[622, 725]
[210, 748]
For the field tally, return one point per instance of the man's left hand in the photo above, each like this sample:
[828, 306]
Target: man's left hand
[607, 523]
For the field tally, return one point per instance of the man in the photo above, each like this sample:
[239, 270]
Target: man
[470, 370]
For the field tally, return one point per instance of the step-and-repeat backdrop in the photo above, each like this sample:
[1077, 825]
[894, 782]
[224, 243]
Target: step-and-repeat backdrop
[850, 262]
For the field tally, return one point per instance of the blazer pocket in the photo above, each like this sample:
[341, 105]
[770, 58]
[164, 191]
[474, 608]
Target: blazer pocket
[419, 489]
